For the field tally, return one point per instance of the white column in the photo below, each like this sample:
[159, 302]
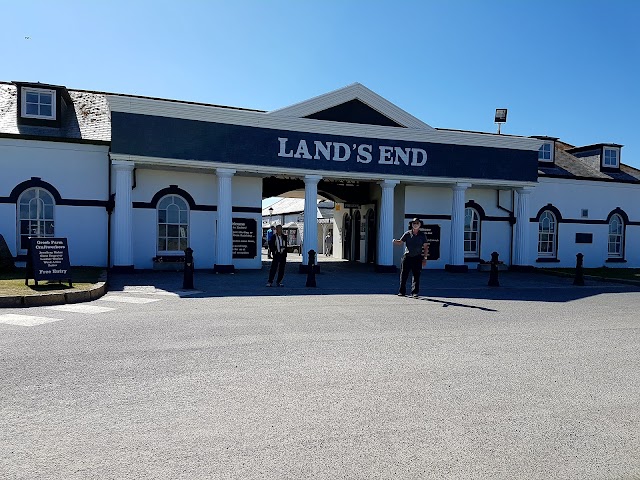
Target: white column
[224, 234]
[385, 234]
[521, 247]
[123, 215]
[310, 232]
[457, 225]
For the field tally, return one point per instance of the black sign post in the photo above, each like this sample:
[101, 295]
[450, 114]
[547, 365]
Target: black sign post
[48, 259]
[245, 238]
[433, 240]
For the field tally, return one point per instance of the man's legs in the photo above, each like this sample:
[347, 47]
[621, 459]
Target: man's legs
[274, 266]
[281, 263]
[404, 274]
[416, 270]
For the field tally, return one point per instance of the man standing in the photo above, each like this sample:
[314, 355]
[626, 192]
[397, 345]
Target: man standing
[328, 244]
[277, 248]
[414, 258]
[270, 234]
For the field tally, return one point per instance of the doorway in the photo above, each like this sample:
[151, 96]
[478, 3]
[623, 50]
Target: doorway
[357, 224]
[371, 236]
[346, 236]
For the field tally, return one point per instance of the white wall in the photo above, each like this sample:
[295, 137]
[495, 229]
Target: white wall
[78, 172]
[600, 198]
[246, 192]
[495, 235]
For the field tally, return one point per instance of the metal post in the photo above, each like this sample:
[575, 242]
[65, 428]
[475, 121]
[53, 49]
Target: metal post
[187, 283]
[493, 275]
[311, 272]
[579, 279]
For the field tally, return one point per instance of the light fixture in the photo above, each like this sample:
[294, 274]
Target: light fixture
[501, 117]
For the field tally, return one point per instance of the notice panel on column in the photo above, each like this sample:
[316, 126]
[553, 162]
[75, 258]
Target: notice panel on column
[245, 238]
[433, 239]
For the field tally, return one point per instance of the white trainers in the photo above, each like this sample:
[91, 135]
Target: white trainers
[269, 284]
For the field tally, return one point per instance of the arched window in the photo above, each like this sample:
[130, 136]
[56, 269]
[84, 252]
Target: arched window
[547, 235]
[616, 236]
[173, 225]
[471, 233]
[35, 216]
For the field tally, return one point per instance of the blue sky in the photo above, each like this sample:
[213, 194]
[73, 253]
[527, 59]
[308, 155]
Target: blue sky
[568, 69]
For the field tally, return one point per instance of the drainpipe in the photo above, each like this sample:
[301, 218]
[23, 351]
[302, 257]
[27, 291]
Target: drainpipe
[511, 220]
[109, 207]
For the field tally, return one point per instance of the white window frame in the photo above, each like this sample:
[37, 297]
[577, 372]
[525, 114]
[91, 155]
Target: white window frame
[540, 150]
[616, 238]
[551, 232]
[39, 220]
[38, 91]
[468, 253]
[604, 157]
[167, 223]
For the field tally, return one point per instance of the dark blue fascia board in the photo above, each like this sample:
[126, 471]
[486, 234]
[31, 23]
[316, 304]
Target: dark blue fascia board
[165, 137]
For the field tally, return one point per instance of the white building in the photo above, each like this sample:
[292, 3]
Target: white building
[132, 181]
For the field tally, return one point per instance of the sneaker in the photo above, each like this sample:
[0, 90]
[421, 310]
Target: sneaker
[414, 295]
[269, 284]
[281, 284]
[402, 294]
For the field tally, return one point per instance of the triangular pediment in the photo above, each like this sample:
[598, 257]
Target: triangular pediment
[353, 104]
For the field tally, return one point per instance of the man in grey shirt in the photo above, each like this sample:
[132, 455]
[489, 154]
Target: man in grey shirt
[414, 258]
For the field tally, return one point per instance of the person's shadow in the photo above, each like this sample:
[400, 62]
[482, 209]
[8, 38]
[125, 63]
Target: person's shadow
[455, 304]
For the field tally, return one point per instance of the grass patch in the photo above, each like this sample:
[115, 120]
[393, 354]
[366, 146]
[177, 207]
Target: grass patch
[13, 283]
[604, 272]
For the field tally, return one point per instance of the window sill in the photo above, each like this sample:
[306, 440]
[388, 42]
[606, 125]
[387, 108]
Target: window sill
[547, 260]
[615, 260]
[472, 259]
[169, 259]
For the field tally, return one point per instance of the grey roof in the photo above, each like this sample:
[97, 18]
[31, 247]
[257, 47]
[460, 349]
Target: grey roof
[570, 166]
[87, 118]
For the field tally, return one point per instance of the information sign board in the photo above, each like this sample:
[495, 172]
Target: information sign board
[245, 238]
[433, 239]
[48, 259]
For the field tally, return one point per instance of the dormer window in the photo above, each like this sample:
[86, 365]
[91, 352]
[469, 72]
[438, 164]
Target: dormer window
[610, 158]
[37, 103]
[545, 153]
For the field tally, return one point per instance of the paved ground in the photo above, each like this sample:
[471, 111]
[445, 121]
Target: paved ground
[535, 380]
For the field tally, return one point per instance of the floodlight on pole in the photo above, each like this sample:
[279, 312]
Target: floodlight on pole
[501, 117]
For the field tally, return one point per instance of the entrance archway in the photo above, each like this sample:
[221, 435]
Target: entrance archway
[371, 236]
[346, 237]
[357, 224]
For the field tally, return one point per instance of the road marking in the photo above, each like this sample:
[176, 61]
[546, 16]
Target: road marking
[126, 299]
[177, 293]
[81, 308]
[151, 290]
[25, 320]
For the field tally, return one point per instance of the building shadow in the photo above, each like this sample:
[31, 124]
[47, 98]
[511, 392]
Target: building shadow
[350, 278]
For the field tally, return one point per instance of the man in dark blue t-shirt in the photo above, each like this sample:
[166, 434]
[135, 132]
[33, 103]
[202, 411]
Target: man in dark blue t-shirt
[414, 258]
[270, 234]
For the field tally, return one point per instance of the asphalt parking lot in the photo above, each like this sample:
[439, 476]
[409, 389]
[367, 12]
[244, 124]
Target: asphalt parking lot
[534, 379]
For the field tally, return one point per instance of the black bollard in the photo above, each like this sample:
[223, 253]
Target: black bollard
[493, 275]
[187, 283]
[311, 272]
[579, 280]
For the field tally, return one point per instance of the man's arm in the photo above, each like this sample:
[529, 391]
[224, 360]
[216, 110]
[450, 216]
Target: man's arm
[402, 239]
[425, 252]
